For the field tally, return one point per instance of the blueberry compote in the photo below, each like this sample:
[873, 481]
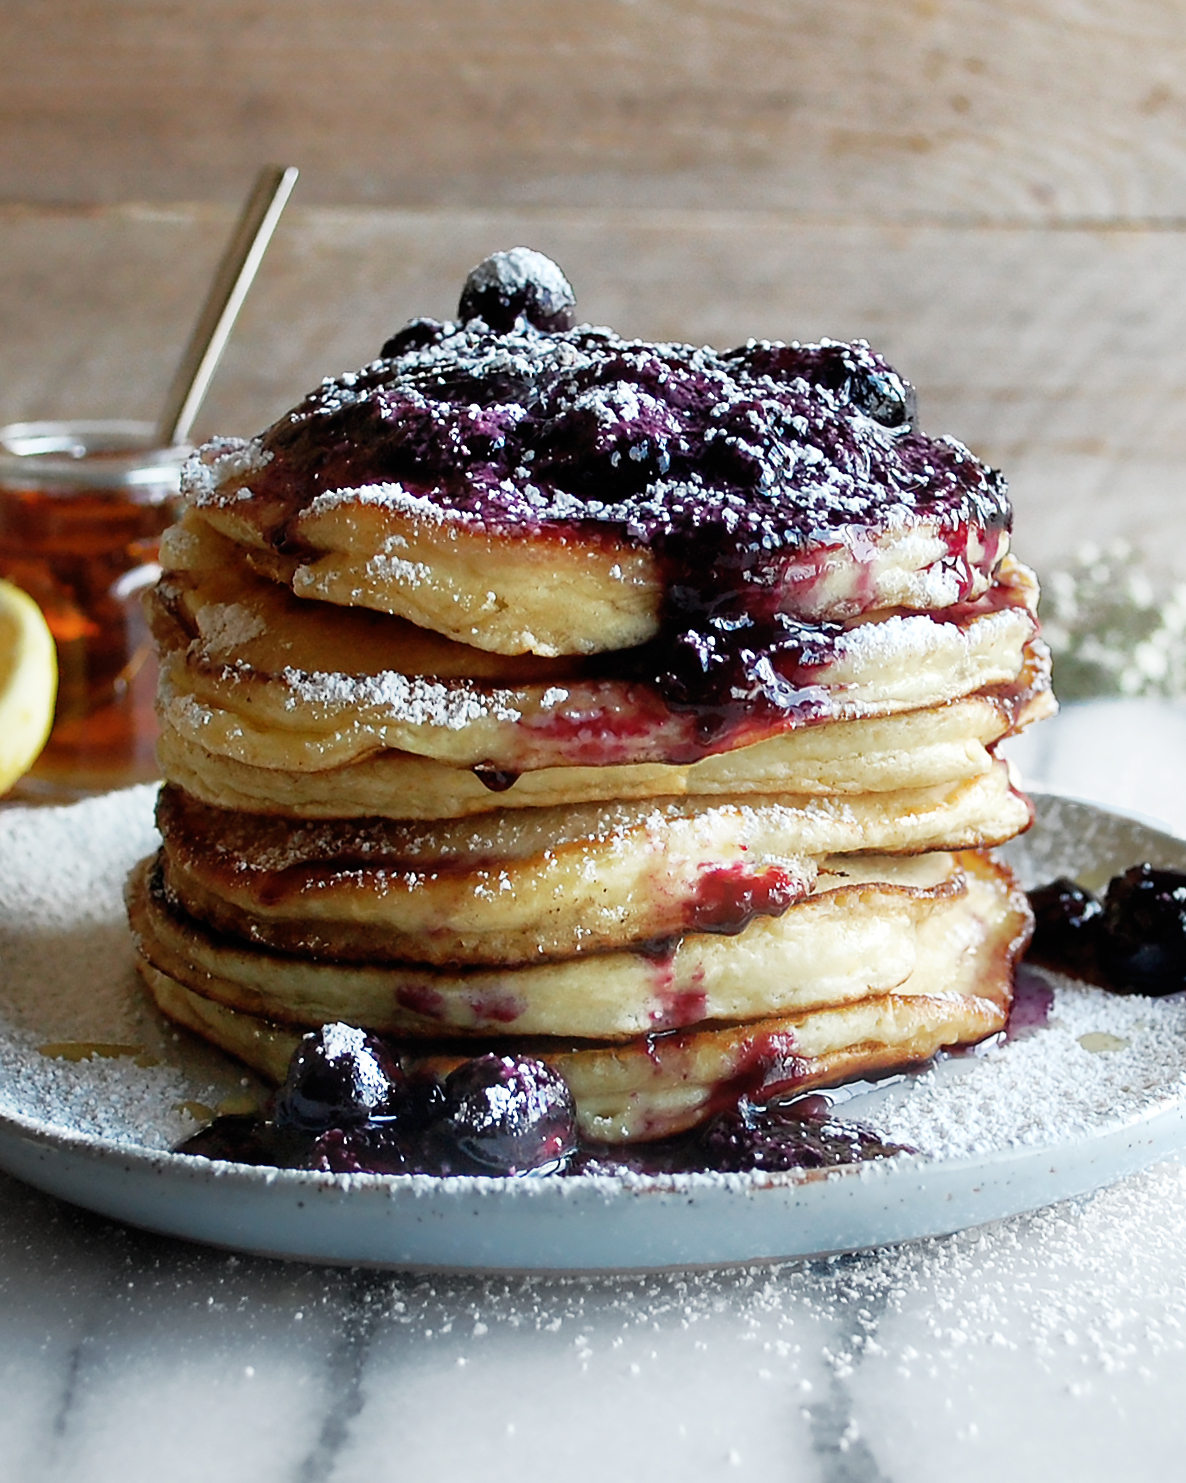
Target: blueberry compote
[348, 1107]
[748, 473]
[1134, 941]
[747, 1137]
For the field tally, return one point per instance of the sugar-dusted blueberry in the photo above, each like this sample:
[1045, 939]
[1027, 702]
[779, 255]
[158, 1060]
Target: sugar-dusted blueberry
[417, 334]
[1143, 940]
[750, 443]
[521, 284]
[1067, 922]
[504, 1115]
[612, 441]
[339, 1077]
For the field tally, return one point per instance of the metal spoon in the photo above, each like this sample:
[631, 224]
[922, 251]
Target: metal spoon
[240, 262]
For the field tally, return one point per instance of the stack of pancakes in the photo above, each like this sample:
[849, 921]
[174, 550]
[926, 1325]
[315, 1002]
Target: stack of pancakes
[429, 771]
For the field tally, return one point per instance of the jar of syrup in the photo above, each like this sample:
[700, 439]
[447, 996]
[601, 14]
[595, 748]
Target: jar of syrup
[82, 508]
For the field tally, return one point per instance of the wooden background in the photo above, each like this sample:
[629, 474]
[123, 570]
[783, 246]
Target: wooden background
[991, 191]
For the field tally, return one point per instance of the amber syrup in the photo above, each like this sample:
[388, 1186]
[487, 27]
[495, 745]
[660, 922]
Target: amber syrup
[86, 557]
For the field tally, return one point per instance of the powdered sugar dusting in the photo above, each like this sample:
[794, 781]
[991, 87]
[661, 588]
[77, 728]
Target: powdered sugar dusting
[213, 474]
[68, 982]
[386, 496]
[410, 698]
[1101, 1054]
[1094, 1288]
[225, 627]
[111, 1095]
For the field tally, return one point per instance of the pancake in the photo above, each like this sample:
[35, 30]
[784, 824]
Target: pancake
[659, 1084]
[227, 682]
[639, 1092]
[523, 885]
[527, 492]
[855, 937]
[913, 750]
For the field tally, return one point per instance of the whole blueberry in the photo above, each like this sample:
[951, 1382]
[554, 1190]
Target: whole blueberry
[504, 1115]
[339, 1077]
[521, 284]
[1143, 940]
[884, 396]
[1067, 923]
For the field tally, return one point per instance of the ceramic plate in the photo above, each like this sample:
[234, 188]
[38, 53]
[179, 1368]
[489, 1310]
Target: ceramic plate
[97, 1132]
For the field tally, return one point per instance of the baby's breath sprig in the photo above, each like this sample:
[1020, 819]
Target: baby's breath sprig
[1110, 631]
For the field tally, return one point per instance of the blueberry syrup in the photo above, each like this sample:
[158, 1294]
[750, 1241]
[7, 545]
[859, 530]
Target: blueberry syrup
[676, 1007]
[1131, 942]
[726, 901]
[770, 1067]
[729, 897]
[1033, 999]
[498, 780]
[743, 1138]
[746, 473]
[513, 1115]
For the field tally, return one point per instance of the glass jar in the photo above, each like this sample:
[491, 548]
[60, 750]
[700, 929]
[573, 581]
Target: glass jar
[82, 508]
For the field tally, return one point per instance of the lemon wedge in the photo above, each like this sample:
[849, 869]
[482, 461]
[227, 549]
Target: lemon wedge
[28, 683]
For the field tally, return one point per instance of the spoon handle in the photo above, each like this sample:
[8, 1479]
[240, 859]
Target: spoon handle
[240, 262]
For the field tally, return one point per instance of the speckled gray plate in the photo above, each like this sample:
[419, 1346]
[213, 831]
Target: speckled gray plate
[597, 1224]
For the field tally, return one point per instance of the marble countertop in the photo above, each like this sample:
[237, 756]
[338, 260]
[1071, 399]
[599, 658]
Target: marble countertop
[1049, 1345]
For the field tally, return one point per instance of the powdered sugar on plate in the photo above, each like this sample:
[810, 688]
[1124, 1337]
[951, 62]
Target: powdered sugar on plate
[1101, 1057]
[81, 1047]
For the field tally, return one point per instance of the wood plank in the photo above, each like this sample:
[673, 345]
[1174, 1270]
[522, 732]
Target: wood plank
[982, 109]
[1058, 355]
